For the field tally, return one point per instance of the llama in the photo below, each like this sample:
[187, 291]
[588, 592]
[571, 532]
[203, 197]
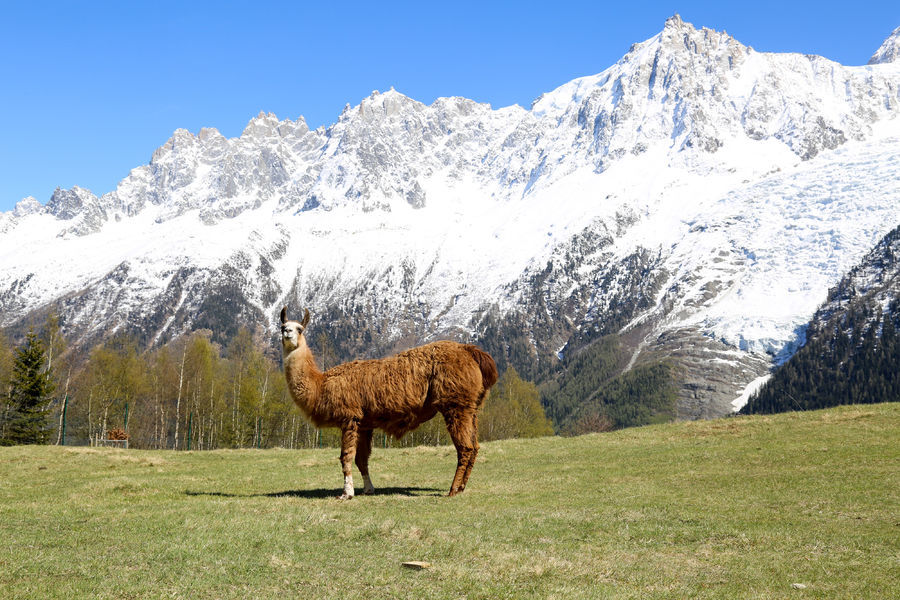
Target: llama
[394, 394]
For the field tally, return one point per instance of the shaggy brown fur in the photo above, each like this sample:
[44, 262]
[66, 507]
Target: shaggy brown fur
[395, 394]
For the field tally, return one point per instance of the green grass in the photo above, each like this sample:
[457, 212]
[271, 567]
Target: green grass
[734, 508]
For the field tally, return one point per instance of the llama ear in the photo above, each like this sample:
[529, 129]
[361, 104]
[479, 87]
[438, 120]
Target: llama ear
[305, 320]
[283, 314]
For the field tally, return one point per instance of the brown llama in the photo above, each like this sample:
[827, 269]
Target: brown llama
[394, 394]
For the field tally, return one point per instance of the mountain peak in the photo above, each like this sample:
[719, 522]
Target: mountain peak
[889, 51]
[27, 206]
[384, 104]
[67, 204]
[678, 34]
[261, 125]
[181, 138]
[675, 22]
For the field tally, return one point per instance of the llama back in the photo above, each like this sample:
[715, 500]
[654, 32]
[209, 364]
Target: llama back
[400, 392]
[394, 385]
[392, 394]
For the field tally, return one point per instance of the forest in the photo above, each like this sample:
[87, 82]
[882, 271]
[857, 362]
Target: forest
[195, 394]
[593, 392]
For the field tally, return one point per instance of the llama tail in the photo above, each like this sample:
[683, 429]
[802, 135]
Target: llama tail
[486, 364]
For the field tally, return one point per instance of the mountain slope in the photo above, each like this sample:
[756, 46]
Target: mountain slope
[698, 198]
[852, 349]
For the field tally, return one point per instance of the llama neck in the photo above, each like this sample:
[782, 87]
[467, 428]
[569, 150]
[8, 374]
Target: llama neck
[303, 377]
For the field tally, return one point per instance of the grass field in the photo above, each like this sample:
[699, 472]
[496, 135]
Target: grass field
[736, 508]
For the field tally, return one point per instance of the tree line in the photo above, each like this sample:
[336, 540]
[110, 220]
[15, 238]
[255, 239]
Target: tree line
[196, 394]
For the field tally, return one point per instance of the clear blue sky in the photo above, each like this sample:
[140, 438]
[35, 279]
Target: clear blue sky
[88, 90]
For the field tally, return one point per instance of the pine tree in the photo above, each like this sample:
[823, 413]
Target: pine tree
[30, 389]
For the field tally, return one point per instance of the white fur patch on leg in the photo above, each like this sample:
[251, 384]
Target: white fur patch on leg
[368, 488]
[348, 487]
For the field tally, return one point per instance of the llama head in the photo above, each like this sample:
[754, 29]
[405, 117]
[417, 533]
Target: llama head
[292, 331]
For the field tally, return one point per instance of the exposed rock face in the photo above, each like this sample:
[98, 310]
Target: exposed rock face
[712, 373]
[697, 197]
[84, 211]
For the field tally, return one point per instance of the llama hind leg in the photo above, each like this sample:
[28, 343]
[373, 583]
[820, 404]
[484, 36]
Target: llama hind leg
[363, 450]
[475, 448]
[460, 426]
[349, 435]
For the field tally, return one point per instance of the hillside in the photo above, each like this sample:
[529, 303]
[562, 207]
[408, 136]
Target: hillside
[852, 349]
[737, 508]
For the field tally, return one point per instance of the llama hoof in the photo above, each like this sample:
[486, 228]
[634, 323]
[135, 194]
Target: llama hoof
[369, 492]
[345, 497]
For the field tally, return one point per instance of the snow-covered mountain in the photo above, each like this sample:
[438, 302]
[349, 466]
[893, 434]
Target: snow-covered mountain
[698, 198]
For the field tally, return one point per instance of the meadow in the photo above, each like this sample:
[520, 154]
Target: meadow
[798, 505]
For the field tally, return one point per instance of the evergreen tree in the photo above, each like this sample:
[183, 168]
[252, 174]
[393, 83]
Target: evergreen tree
[30, 389]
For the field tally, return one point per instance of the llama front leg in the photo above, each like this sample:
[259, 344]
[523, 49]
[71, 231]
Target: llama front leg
[363, 451]
[349, 434]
